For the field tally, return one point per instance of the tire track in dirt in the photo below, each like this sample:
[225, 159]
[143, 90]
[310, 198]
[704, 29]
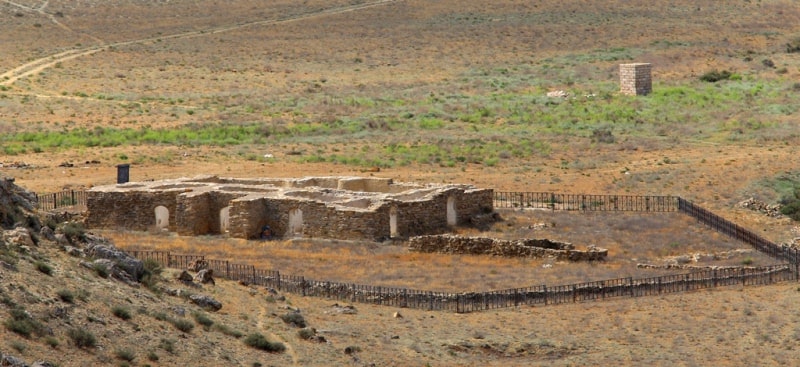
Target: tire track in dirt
[43, 63]
[52, 17]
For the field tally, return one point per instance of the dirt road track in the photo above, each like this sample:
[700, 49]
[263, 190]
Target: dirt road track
[36, 66]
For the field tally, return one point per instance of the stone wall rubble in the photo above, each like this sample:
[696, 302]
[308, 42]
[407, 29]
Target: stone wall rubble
[537, 248]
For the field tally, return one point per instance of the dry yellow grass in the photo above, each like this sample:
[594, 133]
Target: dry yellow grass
[163, 64]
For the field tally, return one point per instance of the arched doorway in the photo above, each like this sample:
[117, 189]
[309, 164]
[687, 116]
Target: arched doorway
[452, 218]
[162, 217]
[224, 219]
[393, 222]
[295, 223]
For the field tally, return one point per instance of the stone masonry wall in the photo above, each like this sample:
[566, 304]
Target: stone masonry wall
[133, 210]
[538, 248]
[337, 208]
[635, 79]
[199, 213]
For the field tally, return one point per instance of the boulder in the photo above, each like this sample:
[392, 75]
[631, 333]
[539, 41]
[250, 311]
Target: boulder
[47, 233]
[206, 302]
[11, 361]
[19, 236]
[205, 276]
[184, 276]
[101, 248]
[43, 364]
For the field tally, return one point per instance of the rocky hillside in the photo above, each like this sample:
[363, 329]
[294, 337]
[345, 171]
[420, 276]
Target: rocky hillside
[70, 298]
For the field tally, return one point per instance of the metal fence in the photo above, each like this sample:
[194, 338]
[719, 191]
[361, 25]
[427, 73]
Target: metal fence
[738, 232]
[63, 199]
[482, 301]
[582, 202]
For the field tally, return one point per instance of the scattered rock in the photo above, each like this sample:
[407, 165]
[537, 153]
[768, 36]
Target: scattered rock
[206, 302]
[43, 364]
[198, 265]
[558, 94]
[101, 248]
[184, 276]
[74, 251]
[345, 310]
[19, 236]
[11, 361]
[351, 349]
[205, 276]
[47, 233]
[178, 310]
[773, 211]
[397, 315]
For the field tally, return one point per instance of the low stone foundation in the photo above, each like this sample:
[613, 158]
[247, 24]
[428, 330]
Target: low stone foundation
[538, 248]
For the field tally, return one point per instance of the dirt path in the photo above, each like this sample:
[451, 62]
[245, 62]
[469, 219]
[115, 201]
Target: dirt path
[263, 314]
[43, 63]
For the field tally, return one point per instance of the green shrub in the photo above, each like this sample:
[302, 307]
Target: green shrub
[51, 341]
[182, 325]
[125, 355]
[43, 268]
[258, 341]
[19, 346]
[294, 318]
[306, 333]
[793, 46]
[101, 270]
[203, 319]
[228, 331]
[22, 323]
[82, 338]
[790, 205]
[167, 345]
[66, 295]
[121, 312]
[152, 356]
[74, 231]
[715, 76]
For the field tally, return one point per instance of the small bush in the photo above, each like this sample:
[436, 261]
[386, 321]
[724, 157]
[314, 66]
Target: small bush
[125, 355]
[294, 318]
[306, 333]
[793, 46]
[19, 346]
[152, 356]
[74, 231]
[182, 325]
[101, 270]
[121, 312]
[82, 338]
[167, 345]
[22, 323]
[203, 319]
[51, 341]
[258, 341]
[715, 76]
[228, 331]
[44, 268]
[160, 316]
[66, 296]
[790, 205]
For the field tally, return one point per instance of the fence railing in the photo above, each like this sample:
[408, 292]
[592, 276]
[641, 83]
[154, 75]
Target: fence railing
[481, 301]
[738, 232]
[553, 201]
[63, 199]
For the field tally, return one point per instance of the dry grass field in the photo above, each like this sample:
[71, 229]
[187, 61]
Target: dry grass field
[444, 91]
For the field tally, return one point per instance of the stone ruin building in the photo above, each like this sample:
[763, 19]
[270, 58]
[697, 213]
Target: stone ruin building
[349, 208]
